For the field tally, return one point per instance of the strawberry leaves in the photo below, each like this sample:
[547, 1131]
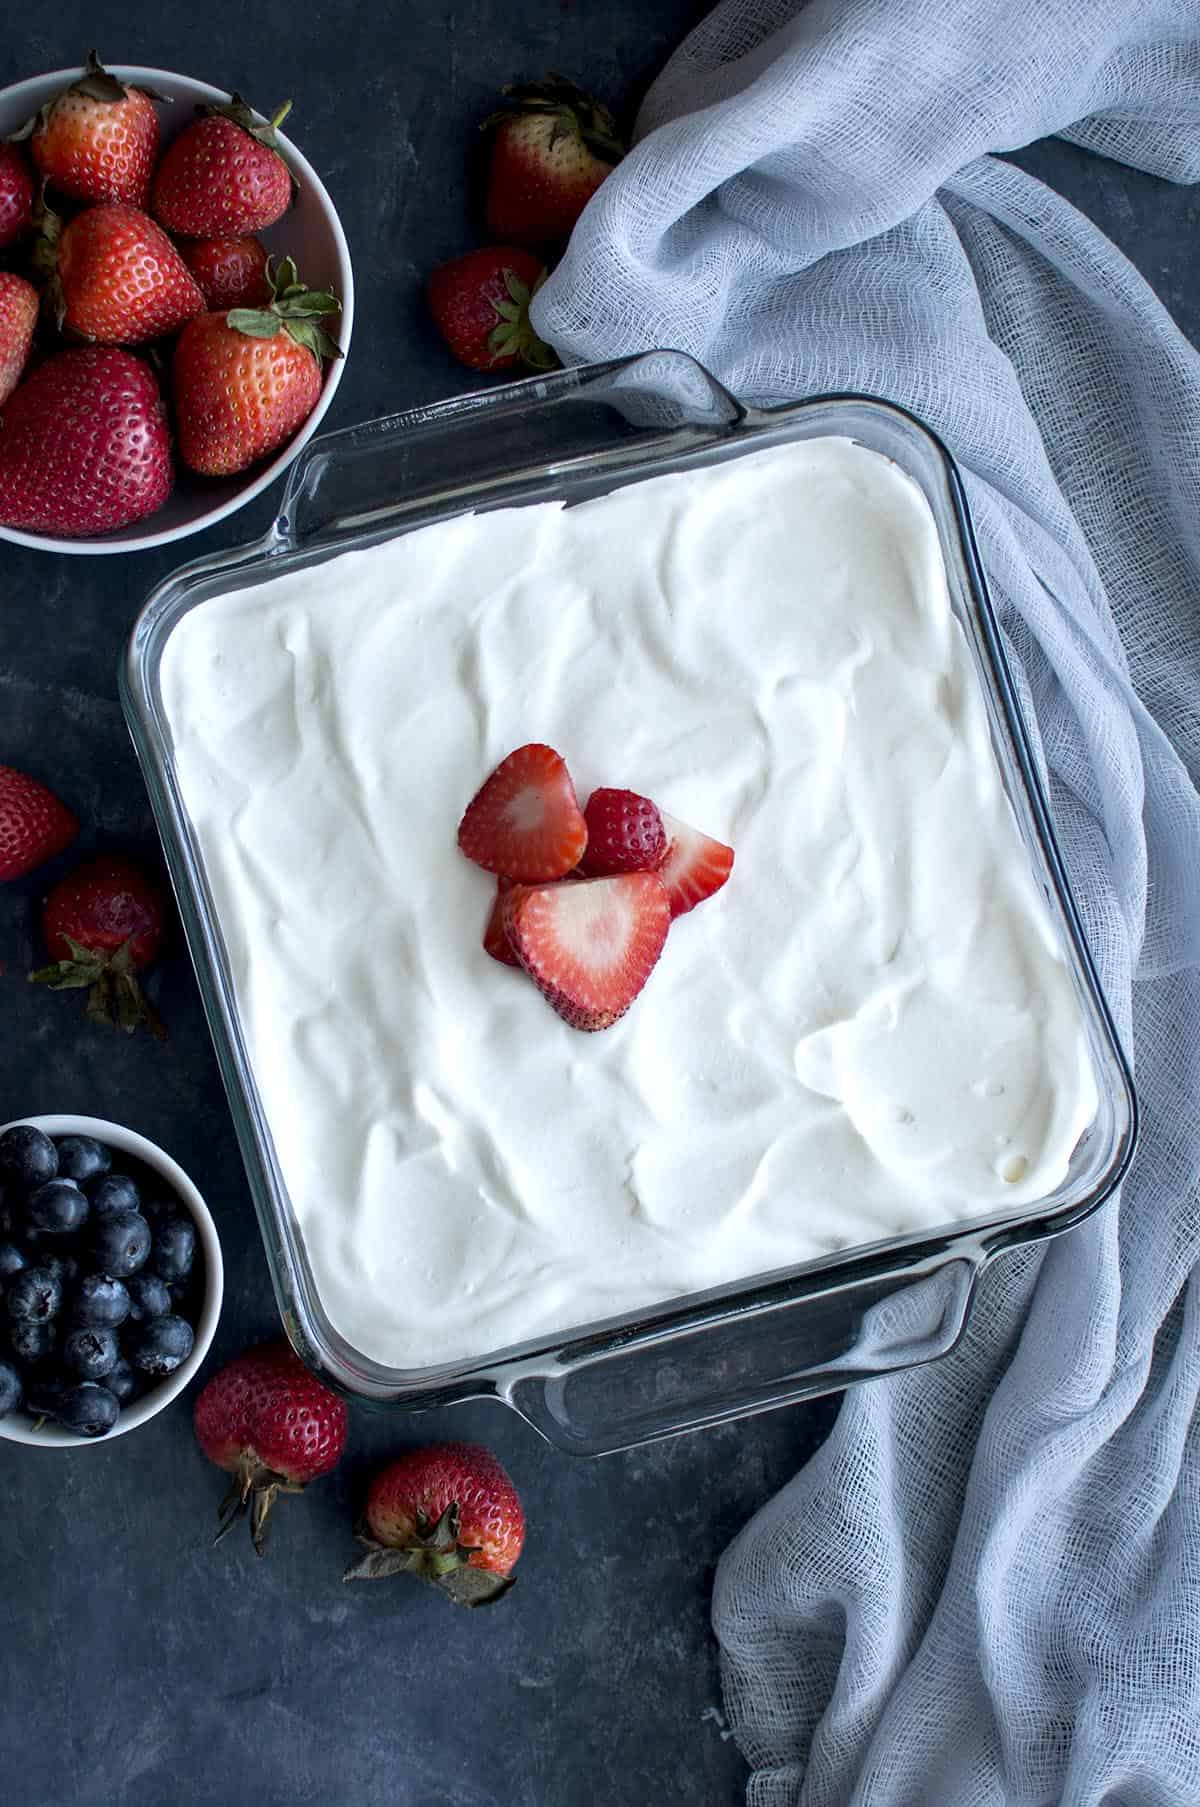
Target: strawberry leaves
[115, 998]
[513, 335]
[576, 113]
[255, 1489]
[434, 1554]
[242, 114]
[295, 309]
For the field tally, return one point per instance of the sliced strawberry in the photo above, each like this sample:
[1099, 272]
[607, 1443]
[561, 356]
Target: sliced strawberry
[695, 865]
[525, 822]
[495, 939]
[625, 834]
[589, 947]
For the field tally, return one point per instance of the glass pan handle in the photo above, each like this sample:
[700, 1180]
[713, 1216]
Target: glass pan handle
[484, 446]
[591, 1402]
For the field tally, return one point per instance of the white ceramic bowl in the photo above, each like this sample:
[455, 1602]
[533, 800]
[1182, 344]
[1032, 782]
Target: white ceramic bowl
[310, 231]
[16, 1428]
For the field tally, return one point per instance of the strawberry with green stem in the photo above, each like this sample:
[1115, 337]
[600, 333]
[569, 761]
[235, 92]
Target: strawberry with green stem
[271, 1424]
[552, 147]
[480, 305]
[245, 380]
[104, 924]
[98, 139]
[224, 177]
[448, 1514]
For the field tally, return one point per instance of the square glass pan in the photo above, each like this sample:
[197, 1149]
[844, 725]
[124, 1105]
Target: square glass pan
[704, 1358]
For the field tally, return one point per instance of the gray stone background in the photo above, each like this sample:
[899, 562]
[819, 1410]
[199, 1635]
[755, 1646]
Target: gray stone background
[138, 1666]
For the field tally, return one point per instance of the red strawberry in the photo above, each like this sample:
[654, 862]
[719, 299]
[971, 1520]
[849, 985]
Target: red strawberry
[270, 1422]
[590, 947]
[695, 865]
[16, 194]
[247, 379]
[120, 278]
[102, 925]
[223, 176]
[625, 834]
[448, 1513]
[552, 147]
[480, 305]
[34, 825]
[525, 821]
[84, 446]
[231, 272]
[18, 317]
[99, 140]
[495, 941]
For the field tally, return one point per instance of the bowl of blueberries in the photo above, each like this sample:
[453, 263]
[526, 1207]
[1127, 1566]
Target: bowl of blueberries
[110, 1280]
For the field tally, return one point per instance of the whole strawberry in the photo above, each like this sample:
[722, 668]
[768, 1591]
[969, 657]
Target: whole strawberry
[552, 147]
[34, 825]
[625, 833]
[231, 272]
[223, 176]
[247, 379]
[120, 279]
[448, 1513]
[84, 446]
[16, 194]
[18, 317]
[480, 305]
[268, 1421]
[98, 140]
[102, 925]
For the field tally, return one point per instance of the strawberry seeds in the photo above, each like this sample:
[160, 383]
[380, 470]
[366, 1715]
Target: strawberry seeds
[584, 898]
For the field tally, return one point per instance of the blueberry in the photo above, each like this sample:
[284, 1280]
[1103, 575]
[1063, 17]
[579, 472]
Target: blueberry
[56, 1209]
[10, 1217]
[11, 1260]
[34, 1296]
[30, 1341]
[88, 1409]
[161, 1207]
[149, 1297]
[174, 1248]
[11, 1389]
[163, 1344]
[27, 1156]
[81, 1158]
[113, 1192]
[122, 1381]
[42, 1397]
[120, 1243]
[90, 1354]
[65, 1268]
[100, 1302]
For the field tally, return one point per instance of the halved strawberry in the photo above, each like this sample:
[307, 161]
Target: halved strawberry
[589, 947]
[525, 822]
[495, 940]
[695, 865]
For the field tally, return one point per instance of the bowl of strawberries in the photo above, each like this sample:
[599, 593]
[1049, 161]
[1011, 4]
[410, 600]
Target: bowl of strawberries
[176, 304]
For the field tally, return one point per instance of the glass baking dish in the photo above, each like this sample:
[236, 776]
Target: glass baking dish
[704, 1358]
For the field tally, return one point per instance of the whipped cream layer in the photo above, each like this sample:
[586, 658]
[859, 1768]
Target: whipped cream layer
[870, 1030]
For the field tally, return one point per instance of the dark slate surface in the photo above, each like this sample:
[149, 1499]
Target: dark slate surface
[137, 1665]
